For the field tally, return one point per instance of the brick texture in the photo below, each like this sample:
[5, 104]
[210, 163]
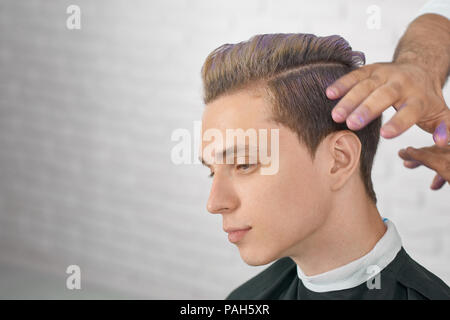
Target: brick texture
[86, 118]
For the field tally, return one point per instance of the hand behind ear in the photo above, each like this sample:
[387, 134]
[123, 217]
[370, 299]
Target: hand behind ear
[434, 157]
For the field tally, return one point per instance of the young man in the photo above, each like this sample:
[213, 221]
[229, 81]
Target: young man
[316, 215]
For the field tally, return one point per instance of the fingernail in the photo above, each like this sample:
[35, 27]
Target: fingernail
[388, 130]
[440, 132]
[331, 93]
[356, 120]
[437, 182]
[339, 114]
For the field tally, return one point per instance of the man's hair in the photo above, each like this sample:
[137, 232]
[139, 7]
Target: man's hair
[294, 70]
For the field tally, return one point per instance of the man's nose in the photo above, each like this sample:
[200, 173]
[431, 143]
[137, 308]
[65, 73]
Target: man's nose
[222, 198]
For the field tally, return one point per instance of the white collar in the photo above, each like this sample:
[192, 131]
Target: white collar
[360, 270]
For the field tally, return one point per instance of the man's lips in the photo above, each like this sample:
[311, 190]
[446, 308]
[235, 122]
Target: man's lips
[228, 230]
[236, 234]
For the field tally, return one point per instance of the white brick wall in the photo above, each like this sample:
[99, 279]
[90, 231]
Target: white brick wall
[85, 123]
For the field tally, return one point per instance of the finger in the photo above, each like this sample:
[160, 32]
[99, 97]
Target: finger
[342, 85]
[411, 164]
[431, 160]
[353, 99]
[408, 161]
[437, 183]
[408, 113]
[441, 135]
[373, 105]
[405, 155]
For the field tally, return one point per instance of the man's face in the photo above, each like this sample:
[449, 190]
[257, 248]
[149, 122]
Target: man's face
[282, 209]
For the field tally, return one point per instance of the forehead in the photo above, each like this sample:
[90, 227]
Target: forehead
[245, 113]
[244, 109]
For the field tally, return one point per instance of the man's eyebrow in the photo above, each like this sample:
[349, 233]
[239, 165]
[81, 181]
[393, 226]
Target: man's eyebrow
[230, 149]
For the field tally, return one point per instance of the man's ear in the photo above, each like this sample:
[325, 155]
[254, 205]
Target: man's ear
[344, 150]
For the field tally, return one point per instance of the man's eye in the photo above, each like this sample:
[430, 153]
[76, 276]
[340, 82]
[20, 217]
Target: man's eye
[244, 166]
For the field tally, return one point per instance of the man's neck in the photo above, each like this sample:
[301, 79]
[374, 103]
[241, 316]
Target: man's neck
[351, 230]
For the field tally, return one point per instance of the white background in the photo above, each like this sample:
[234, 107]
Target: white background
[86, 118]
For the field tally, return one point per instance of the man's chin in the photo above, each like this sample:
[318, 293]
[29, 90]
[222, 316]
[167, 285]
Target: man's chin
[255, 259]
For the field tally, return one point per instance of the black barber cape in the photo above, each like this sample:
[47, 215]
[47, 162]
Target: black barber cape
[403, 279]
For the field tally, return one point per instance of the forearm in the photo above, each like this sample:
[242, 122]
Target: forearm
[426, 43]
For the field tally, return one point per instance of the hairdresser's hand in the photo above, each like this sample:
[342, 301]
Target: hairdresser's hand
[434, 157]
[408, 87]
[412, 83]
